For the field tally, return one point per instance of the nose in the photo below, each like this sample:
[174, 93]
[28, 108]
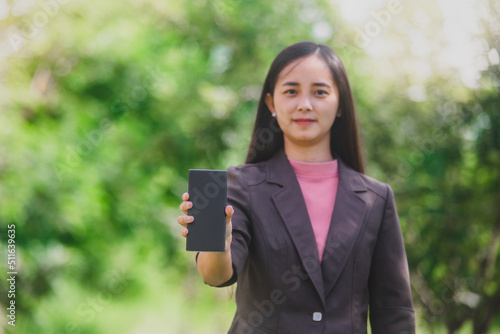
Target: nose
[304, 104]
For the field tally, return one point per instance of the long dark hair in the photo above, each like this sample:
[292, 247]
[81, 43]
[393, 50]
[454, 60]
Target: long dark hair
[267, 137]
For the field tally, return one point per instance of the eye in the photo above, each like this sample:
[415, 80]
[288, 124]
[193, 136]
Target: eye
[290, 92]
[322, 92]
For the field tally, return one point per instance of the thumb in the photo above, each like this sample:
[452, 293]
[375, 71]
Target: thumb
[229, 213]
[229, 225]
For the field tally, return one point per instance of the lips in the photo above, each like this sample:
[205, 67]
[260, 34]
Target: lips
[304, 120]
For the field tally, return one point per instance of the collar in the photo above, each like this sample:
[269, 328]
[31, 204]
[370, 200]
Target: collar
[280, 171]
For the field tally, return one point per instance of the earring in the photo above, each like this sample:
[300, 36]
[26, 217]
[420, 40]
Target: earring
[339, 115]
[273, 114]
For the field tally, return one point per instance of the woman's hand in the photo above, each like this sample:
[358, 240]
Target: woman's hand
[215, 268]
[185, 219]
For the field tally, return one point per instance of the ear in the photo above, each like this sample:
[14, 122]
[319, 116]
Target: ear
[269, 102]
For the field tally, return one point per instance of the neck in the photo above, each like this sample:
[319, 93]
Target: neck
[308, 154]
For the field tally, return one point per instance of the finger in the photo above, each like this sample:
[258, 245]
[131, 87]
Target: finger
[229, 213]
[184, 232]
[184, 220]
[185, 206]
[185, 196]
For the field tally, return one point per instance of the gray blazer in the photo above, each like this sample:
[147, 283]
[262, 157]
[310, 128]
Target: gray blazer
[282, 286]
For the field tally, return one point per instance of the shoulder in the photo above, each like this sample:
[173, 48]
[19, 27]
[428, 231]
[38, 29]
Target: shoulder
[360, 181]
[250, 174]
[380, 188]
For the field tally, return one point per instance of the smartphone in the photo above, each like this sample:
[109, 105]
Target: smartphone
[207, 190]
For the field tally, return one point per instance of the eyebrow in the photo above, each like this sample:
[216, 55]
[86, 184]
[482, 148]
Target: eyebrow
[321, 84]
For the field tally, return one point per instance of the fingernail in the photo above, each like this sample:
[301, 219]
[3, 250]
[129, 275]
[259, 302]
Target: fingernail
[190, 219]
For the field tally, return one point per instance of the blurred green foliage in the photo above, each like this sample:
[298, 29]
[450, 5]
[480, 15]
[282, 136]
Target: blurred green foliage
[106, 105]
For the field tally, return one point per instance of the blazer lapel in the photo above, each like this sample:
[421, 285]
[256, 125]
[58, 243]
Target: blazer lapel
[291, 206]
[345, 224]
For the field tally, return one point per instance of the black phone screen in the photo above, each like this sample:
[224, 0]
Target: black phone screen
[207, 190]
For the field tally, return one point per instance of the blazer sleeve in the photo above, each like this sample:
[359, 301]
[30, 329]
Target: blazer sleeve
[391, 307]
[238, 196]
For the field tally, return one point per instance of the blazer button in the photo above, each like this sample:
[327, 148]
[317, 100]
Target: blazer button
[317, 316]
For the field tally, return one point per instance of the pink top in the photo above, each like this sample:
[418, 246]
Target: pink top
[318, 182]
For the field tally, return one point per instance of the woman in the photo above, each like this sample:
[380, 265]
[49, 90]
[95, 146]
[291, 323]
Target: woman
[312, 242]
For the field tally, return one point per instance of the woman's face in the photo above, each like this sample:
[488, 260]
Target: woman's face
[305, 101]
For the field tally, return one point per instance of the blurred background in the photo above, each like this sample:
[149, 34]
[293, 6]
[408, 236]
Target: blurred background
[105, 105]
